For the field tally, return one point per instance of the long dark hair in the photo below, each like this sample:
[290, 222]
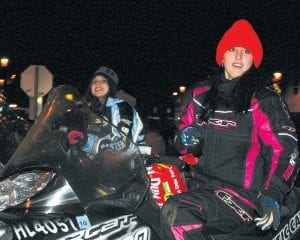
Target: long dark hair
[241, 94]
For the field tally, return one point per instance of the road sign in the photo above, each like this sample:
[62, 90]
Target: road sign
[36, 81]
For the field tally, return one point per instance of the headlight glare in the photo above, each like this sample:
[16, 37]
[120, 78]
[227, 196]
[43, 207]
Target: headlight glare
[19, 187]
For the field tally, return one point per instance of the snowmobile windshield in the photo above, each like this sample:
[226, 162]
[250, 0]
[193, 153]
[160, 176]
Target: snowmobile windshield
[13, 128]
[99, 162]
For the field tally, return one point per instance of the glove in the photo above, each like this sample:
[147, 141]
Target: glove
[190, 136]
[75, 137]
[269, 210]
[189, 158]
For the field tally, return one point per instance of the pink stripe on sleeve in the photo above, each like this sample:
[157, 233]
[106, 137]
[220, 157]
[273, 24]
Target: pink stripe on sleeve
[198, 91]
[265, 132]
[252, 153]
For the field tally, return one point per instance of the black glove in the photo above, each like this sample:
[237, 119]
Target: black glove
[190, 137]
[269, 210]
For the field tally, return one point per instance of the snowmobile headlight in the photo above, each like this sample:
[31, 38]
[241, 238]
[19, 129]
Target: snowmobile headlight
[19, 187]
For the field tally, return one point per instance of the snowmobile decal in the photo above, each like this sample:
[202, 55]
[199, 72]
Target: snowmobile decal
[290, 228]
[103, 230]
[45, 227]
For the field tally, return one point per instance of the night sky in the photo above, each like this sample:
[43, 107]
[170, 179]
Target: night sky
[154, 47]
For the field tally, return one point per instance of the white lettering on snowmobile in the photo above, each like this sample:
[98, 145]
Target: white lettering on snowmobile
[108, 228]
[154, 187]
[23, 231]
[290, 228]
[142, 233]
[154, 184]
[175, 181]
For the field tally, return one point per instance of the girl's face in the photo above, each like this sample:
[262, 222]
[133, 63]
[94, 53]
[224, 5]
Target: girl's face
[100, 87]
[236, 62]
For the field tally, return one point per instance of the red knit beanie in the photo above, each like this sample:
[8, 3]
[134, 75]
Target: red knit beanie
[241, 34]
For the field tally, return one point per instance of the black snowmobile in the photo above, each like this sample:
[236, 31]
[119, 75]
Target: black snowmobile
[53, 190]
[97, 188]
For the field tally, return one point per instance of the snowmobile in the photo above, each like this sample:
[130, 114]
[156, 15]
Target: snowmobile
[95, 188]
[50, 189]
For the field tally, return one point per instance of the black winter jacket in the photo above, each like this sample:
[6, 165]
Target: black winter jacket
[250, 152]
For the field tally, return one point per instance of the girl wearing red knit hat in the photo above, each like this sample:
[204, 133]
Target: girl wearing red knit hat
[244, 149]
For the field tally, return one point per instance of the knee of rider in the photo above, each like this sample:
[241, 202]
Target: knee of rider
[169, 213]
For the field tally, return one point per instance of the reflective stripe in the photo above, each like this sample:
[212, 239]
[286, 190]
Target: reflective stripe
[115, 119]
[197, 102]
[289, 135]
[137, 128]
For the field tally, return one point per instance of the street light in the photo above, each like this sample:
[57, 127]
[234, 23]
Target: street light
[182, 89]
[4, 61]
[277, 76]
[5, 75]
[2, 82]
[13, 105]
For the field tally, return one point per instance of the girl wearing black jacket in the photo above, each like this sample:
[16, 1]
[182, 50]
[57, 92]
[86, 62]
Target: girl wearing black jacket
[249, 147]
